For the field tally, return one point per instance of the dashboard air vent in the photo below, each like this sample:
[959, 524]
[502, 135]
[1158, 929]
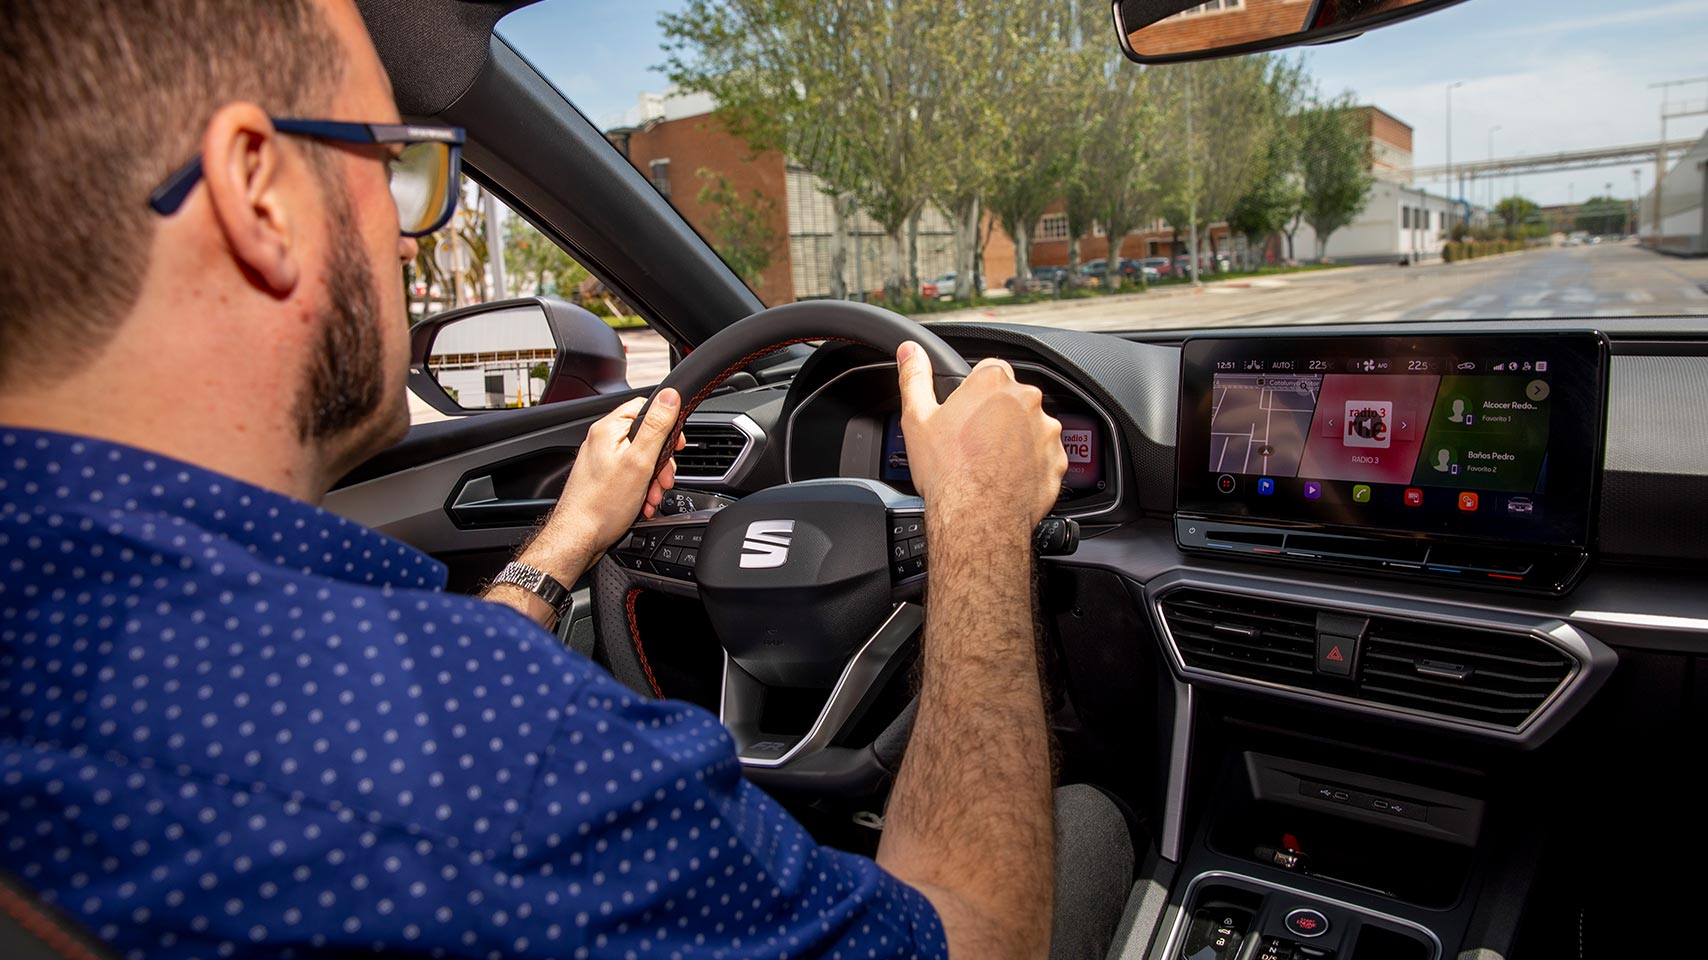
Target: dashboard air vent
[712, 450]
[1249, 637]
[1481, 675]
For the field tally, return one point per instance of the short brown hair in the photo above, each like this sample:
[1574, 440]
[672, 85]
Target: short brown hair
[99, 101]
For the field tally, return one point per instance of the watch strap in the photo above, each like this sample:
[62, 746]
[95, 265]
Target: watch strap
[539, 583]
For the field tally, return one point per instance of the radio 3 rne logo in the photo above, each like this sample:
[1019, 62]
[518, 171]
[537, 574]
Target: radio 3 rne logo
[1367, 424]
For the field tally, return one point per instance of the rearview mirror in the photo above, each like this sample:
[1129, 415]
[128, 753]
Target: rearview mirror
[514, 353]
[1173, 31]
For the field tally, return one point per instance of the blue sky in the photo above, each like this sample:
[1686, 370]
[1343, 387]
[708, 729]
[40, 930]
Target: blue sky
[1552, 74]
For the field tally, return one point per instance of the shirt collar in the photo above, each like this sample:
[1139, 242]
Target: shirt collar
[122, 486]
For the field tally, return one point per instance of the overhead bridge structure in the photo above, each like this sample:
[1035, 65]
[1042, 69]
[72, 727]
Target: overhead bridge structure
[1552, 162]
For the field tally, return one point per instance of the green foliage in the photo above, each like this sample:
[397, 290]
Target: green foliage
[1514, 211]
[741, 227]
[1601, 215]
[535, 263]
[1275, 196]
[1333, 166]
[1455, 251]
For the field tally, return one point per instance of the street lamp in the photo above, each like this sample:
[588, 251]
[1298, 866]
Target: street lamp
[1450, 88]
[1636, 198]
[1494, 181]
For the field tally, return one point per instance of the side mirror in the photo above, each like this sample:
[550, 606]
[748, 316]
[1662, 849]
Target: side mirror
[514, 353]
[1175, 31]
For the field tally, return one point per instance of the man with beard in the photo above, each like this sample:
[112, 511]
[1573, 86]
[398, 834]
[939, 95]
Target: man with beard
[233, 723]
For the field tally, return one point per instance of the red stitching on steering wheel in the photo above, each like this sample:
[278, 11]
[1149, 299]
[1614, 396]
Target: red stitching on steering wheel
[634, 636]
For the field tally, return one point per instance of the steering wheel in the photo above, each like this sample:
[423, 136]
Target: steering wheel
[812, 584]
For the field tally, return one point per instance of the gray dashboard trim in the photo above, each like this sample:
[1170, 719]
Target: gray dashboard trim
[1108, 421]
[1593, 660]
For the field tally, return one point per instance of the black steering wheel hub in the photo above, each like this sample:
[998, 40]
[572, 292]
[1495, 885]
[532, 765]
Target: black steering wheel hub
[794, 577]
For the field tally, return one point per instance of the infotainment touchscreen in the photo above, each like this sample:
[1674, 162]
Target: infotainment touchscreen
[1492, 437]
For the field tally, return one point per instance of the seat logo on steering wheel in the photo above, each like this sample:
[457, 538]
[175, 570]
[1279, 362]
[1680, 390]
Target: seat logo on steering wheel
[767, 543]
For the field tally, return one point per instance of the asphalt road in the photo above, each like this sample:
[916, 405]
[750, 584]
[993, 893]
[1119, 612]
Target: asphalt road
[1603, 280]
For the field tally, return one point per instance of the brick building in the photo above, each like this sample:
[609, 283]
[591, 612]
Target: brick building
[1220, 23]
[675, 137]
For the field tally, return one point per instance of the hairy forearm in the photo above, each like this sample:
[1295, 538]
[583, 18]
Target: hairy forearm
[969, 820]
[562, 551]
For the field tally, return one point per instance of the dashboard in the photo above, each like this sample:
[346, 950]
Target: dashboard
[850, 426]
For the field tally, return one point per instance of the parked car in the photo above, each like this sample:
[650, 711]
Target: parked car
[1162, 265]
[942, 286]
[1130, 270]
[1045, 279]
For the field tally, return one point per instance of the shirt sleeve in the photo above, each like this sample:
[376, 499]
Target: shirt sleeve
[643, 839]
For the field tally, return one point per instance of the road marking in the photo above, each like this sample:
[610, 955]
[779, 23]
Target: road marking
[1384, 305]
[1639, 296]
[1383, 316]
[1451, 315]
[1531, 299]
[1577, 295]
[1480, 300]
[1528, 314]
[1616, 312]
[1693, 293]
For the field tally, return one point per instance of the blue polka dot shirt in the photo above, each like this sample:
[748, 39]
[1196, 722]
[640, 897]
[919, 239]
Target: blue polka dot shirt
[234, 724]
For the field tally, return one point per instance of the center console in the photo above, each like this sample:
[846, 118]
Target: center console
[1353, 768]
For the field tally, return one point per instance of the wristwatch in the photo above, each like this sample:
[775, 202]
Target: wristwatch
[539, 583]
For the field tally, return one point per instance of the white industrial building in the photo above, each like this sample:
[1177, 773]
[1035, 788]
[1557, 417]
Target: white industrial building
[1683, 222]
[487, 361]
[1397, 223]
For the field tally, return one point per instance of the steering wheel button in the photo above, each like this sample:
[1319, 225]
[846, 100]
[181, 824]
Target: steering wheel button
[898, 550]
[898, 531]
[637, 542]
[689, 558]
[914, 528]
[916, 547]
[677, 538]
[667, 554]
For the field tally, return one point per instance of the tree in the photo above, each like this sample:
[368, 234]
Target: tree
[847, 90]
[740, 228]
[1274, 198]
[1599, 215]
[967, 140]
[1116, 159]
[1334, 167]
[535, 261]
[1041, 99]
[1221, 118]
[1514, 211]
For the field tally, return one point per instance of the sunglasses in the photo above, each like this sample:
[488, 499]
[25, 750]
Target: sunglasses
[423, 177]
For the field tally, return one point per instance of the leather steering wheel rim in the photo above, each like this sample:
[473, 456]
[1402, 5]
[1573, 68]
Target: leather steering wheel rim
[764, 333]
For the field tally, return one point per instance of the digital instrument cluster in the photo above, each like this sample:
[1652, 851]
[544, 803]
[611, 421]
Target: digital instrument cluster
[851, 427]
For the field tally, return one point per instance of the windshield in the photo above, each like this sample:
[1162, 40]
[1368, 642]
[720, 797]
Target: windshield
[1494, 160]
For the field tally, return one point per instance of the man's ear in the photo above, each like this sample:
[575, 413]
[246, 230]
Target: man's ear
[243, 166]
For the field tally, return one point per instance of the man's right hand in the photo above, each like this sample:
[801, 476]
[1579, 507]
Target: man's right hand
[990, 451]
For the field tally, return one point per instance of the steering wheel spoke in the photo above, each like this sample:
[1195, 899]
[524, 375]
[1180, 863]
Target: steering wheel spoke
[742, 698]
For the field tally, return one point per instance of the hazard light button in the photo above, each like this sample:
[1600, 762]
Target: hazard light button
[1335, 654]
